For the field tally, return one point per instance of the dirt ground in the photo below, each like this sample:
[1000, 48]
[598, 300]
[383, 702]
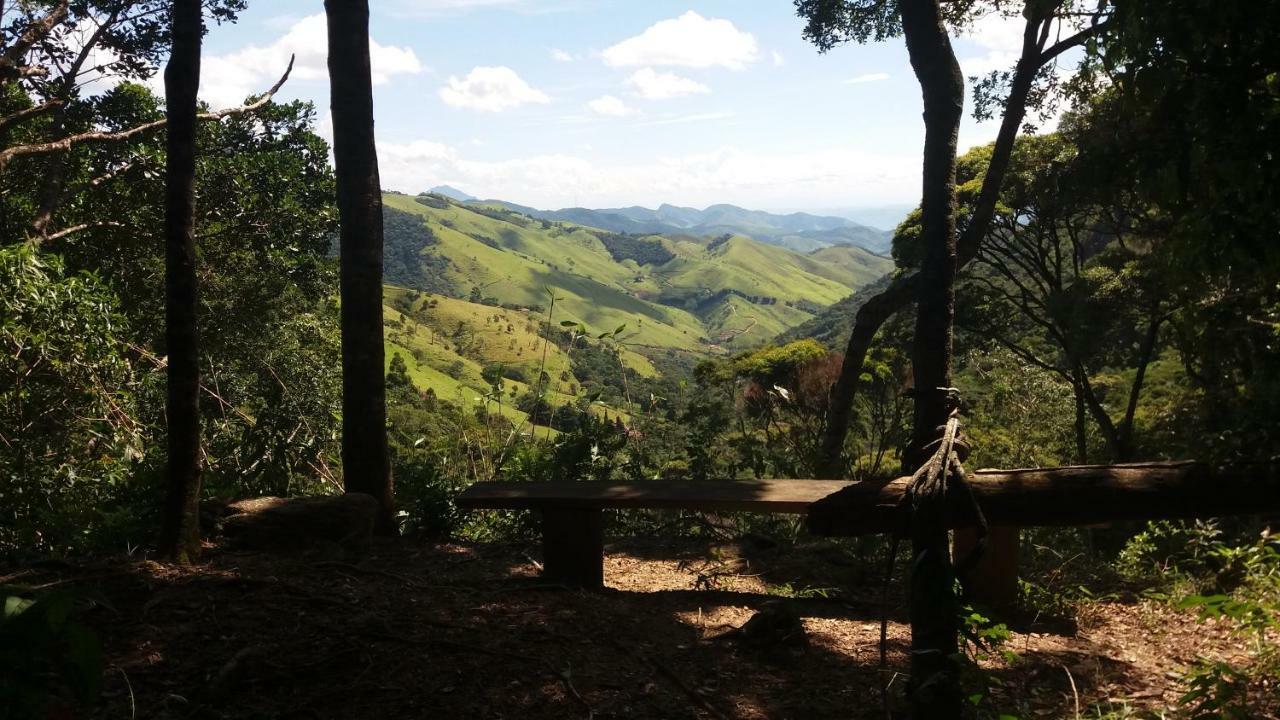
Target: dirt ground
[415, 630]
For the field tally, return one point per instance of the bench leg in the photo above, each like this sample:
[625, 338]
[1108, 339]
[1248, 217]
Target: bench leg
[993, 582]
[573, 547]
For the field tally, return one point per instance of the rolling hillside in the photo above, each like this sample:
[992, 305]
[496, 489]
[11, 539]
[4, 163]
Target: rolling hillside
[471, 286]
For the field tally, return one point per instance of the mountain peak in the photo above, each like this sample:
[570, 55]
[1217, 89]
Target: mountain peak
[452, 193]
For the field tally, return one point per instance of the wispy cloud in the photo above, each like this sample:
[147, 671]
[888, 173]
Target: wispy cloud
[827, 176]
[695, 117]
[437, 8]
[228, 78]
[653, 85]
[866, 78]
[610, 106]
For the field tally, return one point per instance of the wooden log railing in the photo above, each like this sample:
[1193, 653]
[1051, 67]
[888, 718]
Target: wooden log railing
[1084, 495]
[1062, 496]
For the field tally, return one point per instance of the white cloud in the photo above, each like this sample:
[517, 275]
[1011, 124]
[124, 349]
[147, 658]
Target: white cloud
[999, 40]
[490, 89]
[778, 60]
[1000, 37]
[824, 177]
[226, 80]
[995, 31]
[561, 55]
[609, 105]
[866, 78]
[653, 85]
[688, 41]
[695, 117]
[99, 72]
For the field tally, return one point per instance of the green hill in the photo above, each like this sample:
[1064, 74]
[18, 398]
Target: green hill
[491, 274]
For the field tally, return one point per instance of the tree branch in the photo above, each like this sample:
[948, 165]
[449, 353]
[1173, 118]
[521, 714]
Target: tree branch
[81, 227]
[21, 115]
[1072, 42]
[37, 31]
[65, 144]
[879, 309]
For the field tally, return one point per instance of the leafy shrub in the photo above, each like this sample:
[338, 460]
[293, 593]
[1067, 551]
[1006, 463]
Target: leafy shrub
[431, 200]
[425, 495]
[1219, 690]
[68, 429]
[1169, 546]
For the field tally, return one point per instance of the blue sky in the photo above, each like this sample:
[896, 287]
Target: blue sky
[614, 102]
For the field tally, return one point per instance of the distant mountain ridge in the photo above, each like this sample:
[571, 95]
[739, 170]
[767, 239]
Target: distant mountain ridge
[800, 231]
[452, 193]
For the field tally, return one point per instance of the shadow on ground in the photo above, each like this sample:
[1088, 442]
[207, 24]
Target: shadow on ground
[414, 630]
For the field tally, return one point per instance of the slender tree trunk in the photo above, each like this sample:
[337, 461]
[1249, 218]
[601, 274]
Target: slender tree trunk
[878, 309]
[935, 686]
[873, 314]
[366, 467]
[1145, 354]
[1107, 426]
[180, 539]
[1082, 441]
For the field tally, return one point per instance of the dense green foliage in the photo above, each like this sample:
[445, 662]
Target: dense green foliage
[68, 434]
[407, 258]
[643, 250]
[95, 341]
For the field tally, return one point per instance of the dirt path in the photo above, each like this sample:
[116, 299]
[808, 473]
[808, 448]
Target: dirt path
[449, 631]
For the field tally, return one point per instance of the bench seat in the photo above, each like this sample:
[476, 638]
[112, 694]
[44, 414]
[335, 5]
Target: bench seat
[572, 522]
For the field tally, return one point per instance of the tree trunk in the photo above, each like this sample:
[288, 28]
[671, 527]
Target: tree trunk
[1067, 496]
[1101, 417]
[1082, 438]
[878, 309]
[935, 682]
[867, 322]
[1146, 353]
[180, 538]
[365, 464]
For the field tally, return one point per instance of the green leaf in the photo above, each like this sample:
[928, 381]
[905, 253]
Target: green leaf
[14, 606]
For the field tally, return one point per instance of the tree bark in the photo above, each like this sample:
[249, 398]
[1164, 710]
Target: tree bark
[1067, 496]
[1082, 439]
[365, 464]
[1106, 426]
[877, 310]
[935, 681]
[873, 314]
[1146, 353]
[180, 539]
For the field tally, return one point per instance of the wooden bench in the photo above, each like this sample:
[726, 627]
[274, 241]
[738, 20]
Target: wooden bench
[573, 545]
[572, 527]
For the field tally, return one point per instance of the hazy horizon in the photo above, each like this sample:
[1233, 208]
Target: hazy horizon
[612, 104]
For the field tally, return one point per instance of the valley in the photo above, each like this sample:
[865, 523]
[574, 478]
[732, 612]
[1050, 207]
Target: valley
[473, 288]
